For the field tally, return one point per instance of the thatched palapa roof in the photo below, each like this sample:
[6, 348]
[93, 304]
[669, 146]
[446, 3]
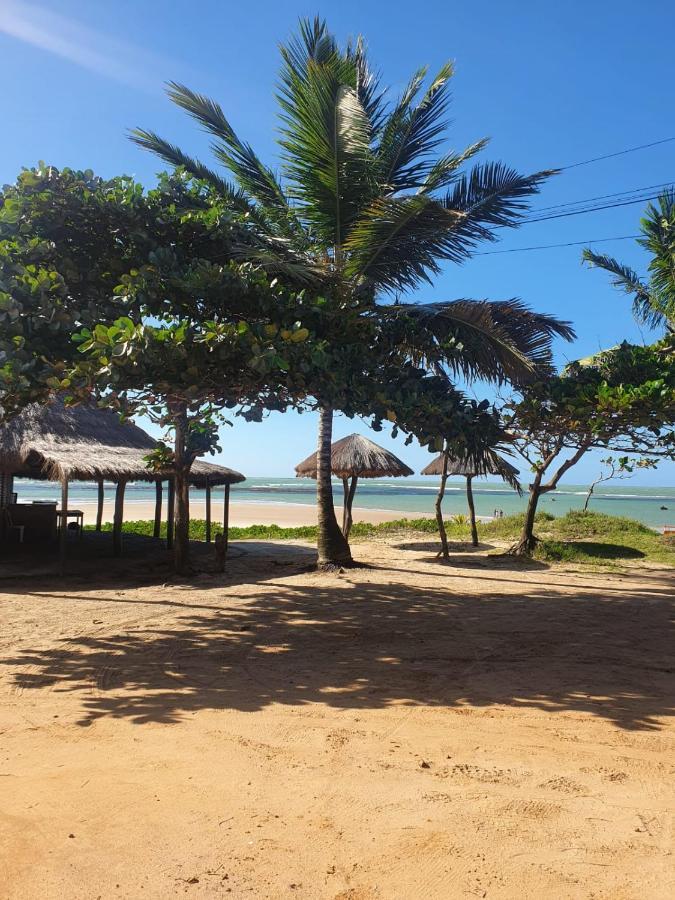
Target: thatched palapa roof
[83, 443]
[494, 464]
[357, 455]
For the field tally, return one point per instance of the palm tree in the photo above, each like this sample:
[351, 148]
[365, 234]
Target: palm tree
[366, 204]
[654, 299]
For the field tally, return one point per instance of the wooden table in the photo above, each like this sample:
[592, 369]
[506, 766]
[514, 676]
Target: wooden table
[64, 515]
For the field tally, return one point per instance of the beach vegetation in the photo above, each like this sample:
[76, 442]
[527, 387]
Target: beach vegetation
[580, 537]
[621, 400]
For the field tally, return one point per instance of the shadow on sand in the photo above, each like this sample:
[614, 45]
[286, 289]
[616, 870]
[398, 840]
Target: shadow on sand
[356, 642]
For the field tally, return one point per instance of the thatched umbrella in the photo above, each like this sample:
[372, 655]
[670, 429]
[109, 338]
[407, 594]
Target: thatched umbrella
[355, 457]
[445, 465]
[55, 442]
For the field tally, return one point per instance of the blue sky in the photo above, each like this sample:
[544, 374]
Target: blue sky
[551, 84]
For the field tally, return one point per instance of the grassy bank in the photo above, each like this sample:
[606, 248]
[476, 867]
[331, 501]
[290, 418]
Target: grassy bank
[592, 538]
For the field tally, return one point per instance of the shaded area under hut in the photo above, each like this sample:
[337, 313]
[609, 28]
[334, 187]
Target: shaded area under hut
[55, 442]
[445, 466]
[355, 457]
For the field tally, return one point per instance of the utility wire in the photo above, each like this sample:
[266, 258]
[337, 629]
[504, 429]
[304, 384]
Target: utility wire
[587, 162]
[596, 208]
[640, 190]
[625, 237]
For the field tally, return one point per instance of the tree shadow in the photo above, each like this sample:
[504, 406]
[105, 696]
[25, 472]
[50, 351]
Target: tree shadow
[454, 546]
[591, 550]
[353, 644]
[145, 561]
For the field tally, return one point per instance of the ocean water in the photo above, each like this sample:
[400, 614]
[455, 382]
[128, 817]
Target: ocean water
[409, 496]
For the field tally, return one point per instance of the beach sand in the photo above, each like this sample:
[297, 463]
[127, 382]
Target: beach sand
[242, 513]
[404, 730]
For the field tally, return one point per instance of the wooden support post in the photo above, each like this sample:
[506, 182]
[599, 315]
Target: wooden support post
[170, 512]
[63, 533]
[99, 507]
[119, 518]
[158, 508]
[208, 511]
[472, 511]
[226, 519]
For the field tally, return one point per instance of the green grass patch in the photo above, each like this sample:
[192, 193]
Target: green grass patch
[588, 538]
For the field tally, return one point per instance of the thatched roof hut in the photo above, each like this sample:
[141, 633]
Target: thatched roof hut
[357, 456]
[86, 443]
[491, 464]
[56, 442]
[495, 465]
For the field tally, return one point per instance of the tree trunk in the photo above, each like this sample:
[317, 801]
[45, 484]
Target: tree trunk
[331, 543]
[527, 542]
[439, 512]
[158, 509]
[472, 511]
[181, 542]
[588, 497]
[350, 490]
[118, 519]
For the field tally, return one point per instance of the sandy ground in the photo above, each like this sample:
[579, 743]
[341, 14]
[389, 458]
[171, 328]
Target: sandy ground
[405, 730]
[241, 514]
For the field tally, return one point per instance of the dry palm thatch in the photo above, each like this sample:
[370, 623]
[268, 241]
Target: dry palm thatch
[202, 472]
[85, 443]
[494, 464]
[357, 456]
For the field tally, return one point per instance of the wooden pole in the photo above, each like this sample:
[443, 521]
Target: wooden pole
[349, 501]
[171, 504]
[472, 511]
[118, 518]
[208, 511]
[345, 502]
[158, 508]
[99, 507]
[226, 520]
[63, 534]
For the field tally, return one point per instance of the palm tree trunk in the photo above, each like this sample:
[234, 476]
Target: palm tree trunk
[331, 543]
[472, 511]
[439, 512]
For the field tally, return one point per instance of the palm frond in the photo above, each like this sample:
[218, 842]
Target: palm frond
[493, 195]
[626, 279]
[411, 133]
[326, 137]
[494, 340]
[367, 86]
[173, 155]
[255, 178]
[398, 242]
[444, 171]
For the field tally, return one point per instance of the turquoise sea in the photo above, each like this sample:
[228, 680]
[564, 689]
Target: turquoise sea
[410, 496]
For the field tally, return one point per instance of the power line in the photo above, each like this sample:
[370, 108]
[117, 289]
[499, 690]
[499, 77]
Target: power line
[596, 208]
[625, 237]
[640, 190]
[586, 162]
